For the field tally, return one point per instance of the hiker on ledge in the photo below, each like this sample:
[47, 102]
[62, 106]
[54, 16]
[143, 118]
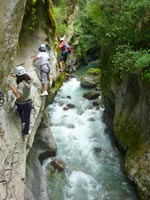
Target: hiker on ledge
[23, 96]
[63, 55]
[43, 58]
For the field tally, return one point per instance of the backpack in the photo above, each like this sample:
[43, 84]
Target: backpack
[68, 48]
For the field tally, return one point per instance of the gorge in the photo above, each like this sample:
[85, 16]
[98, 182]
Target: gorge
[24, 26]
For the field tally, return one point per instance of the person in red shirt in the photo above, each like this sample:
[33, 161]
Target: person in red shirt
[63, 55]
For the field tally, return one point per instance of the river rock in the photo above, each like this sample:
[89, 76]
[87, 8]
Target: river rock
[59, 165]
[91, 95]
[97, 149]
[69, 106]
[68, 97]
[91, 79]
[91, 119]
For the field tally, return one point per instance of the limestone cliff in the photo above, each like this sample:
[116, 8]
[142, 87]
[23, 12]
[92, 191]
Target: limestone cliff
[25, 24]
[20, 166]
[128, 114]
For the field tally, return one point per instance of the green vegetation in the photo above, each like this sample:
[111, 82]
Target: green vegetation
[93, 71]
[127, 61]
[52, 29]
[119, 31]
[61, 27]
[60, 12]
[56, 85]
[127, 129]
[33, 21]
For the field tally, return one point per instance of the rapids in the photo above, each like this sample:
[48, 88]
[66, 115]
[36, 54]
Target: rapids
[95, 166]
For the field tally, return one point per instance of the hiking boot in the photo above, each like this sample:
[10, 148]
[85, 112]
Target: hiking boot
[45, 93]
[25, 137]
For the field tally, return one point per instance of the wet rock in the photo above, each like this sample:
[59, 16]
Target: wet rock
[95, 103]
[59, 165]
[68, 97]
[91, 79]
[98, 104]
[91, 95]
[69, 106]
[91, 119]
[88, 82]
[97, 149]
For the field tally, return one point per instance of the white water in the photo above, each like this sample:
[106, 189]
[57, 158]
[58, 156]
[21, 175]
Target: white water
[91, 175]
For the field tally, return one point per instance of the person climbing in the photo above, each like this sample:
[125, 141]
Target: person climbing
[64, 52]
[23, 96]
[43, 58]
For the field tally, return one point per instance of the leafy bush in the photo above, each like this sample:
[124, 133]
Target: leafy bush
[60, 17]
[94, 71]
[123, 62]
[127, 61]
[143, 60]
[33, 21]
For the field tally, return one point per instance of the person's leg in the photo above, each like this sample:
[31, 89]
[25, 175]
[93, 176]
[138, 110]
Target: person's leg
[60, 65]
[44, 83]
[61, 60]
[21, 112]
[27, 113]
[64, 59]
[45, 87]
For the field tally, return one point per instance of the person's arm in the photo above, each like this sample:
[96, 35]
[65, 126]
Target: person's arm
[13, 75]
[14, 90]
[35, 58]
[60, 45]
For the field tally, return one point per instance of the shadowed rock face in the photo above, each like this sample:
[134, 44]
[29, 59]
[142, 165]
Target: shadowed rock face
[42, 148]
[127, 112]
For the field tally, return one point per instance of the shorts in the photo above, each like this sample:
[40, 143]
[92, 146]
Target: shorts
[45, 70]
[63, 57]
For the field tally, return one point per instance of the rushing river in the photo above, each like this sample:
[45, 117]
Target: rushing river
[95, 166]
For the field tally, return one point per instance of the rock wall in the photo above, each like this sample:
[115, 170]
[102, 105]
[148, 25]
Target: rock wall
[25, 24]
[43, 147]
[127, 114]
[11, 16]
[18, 173]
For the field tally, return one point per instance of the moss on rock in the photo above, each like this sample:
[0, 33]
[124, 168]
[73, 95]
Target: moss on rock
[94, 71]
[128, 133]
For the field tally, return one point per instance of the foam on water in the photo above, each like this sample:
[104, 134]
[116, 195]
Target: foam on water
[95, 164]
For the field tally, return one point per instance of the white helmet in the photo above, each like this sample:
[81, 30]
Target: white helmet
[19, 71]
[61, 39]
[42, 47]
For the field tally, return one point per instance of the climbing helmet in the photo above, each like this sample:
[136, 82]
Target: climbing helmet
[42, 47]
[61, 39]
[20, 70]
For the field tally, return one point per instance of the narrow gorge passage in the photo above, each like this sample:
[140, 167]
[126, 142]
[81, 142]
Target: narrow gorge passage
[95, 166]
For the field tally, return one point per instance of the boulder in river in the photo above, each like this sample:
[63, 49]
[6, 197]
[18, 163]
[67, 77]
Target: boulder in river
[91, 95]
[69, 106]
[91, 79]
[58, 165]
